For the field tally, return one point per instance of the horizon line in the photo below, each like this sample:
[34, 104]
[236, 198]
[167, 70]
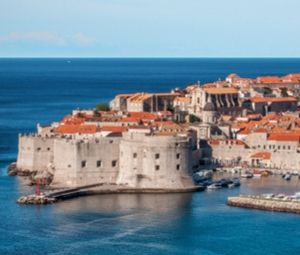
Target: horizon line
[148, 57]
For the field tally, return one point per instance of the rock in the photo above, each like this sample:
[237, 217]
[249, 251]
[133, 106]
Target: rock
[12, 169]
[36, 200]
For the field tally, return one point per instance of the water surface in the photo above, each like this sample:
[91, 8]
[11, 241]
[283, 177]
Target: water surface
[43, 90]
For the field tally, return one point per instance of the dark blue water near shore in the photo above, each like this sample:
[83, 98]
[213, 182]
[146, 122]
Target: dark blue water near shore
[43, 90]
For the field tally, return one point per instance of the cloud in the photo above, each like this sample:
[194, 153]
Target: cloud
[47, 37]
[83, 39]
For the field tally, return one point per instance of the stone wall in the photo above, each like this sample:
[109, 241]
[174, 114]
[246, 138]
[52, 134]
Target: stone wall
[35, 152]
[155, 161]
[84, 162]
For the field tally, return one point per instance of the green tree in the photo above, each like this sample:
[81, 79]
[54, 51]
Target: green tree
[104, 107]
[194, 118]
[284, 92]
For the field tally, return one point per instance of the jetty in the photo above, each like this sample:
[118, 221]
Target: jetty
[280, 203]
[56, 195]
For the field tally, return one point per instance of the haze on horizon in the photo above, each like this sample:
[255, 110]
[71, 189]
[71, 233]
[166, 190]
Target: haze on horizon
[147, 28]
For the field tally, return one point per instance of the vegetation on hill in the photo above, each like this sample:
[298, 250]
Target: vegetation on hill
[104, 107]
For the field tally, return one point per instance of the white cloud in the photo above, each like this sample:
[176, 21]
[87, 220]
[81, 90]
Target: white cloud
[83, 39]
[47, 37]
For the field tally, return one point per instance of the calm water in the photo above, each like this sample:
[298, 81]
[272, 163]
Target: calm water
[43, 90]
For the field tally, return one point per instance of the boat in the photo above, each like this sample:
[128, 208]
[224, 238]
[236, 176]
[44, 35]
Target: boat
[236, 182]
[214, 186]
[265, 174]
[256, 173]
[247, 174]
[288, 177]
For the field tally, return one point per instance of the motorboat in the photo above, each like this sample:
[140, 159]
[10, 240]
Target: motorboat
[214, 186]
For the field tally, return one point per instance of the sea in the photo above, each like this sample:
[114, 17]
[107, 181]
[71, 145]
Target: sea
[44, 90]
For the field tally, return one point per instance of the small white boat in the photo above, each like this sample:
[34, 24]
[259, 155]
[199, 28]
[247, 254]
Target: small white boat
[247, 175]
[214, 186]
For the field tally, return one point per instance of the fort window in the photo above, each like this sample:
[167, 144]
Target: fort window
[178, 167]
[38, 149]
[157, 156]
[178, 155]
[111, 141]
[134, 155]
[283, 147]
[157, 167]
[264, 147]
[278, 147]
[289, 147]
[99, 163]
[114, 163]
[69, 166]
[83, 163]
[48, 149]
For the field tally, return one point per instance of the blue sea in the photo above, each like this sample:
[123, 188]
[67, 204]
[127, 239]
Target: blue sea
[44, 90]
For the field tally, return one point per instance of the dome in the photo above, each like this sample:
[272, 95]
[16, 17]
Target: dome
[209, 106]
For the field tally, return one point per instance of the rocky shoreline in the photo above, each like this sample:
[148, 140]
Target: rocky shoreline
[36, 199]
[44, 177]
[260, 203]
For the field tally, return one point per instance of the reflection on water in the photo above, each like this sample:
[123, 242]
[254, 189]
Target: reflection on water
[154, 203]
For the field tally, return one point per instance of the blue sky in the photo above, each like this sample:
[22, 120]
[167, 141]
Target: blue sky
[149, 28]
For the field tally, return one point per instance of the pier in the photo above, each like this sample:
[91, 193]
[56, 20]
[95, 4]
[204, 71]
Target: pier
[264, 203]
[96, 189]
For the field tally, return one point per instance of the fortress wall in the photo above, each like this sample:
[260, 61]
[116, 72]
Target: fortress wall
[155, 161]
[102, 161]
[64, 163]
[35, 152]
[87, 162]
[226, 153]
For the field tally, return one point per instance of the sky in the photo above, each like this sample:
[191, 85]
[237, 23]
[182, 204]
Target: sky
[149, 28]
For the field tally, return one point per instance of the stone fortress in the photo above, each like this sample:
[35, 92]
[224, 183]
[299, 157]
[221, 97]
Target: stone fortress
[157, 140]
[134, 159]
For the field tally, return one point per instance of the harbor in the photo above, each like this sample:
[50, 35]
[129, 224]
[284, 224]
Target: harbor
[268, 202]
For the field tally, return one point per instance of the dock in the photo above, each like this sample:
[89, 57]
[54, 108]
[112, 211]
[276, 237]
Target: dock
[96, 189]
[266, 204]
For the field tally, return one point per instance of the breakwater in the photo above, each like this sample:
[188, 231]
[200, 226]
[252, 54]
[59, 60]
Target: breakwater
[262, 203]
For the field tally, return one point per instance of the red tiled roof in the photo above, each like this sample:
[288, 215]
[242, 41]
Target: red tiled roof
[268, 79]
[259, 99]
[262, 155]
[292, 137]
[76, 128]
[222, 90]
[114, 129]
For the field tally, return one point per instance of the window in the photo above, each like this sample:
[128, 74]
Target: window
[99, 163]
[48, 149]
[289, 147]
[83, 163]
[38, 149]
[114, 163]
[178, 167]
[157, 167]
[111, 141]
[278, 147]
[178, 155]
[157, 156]
[134, 155]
